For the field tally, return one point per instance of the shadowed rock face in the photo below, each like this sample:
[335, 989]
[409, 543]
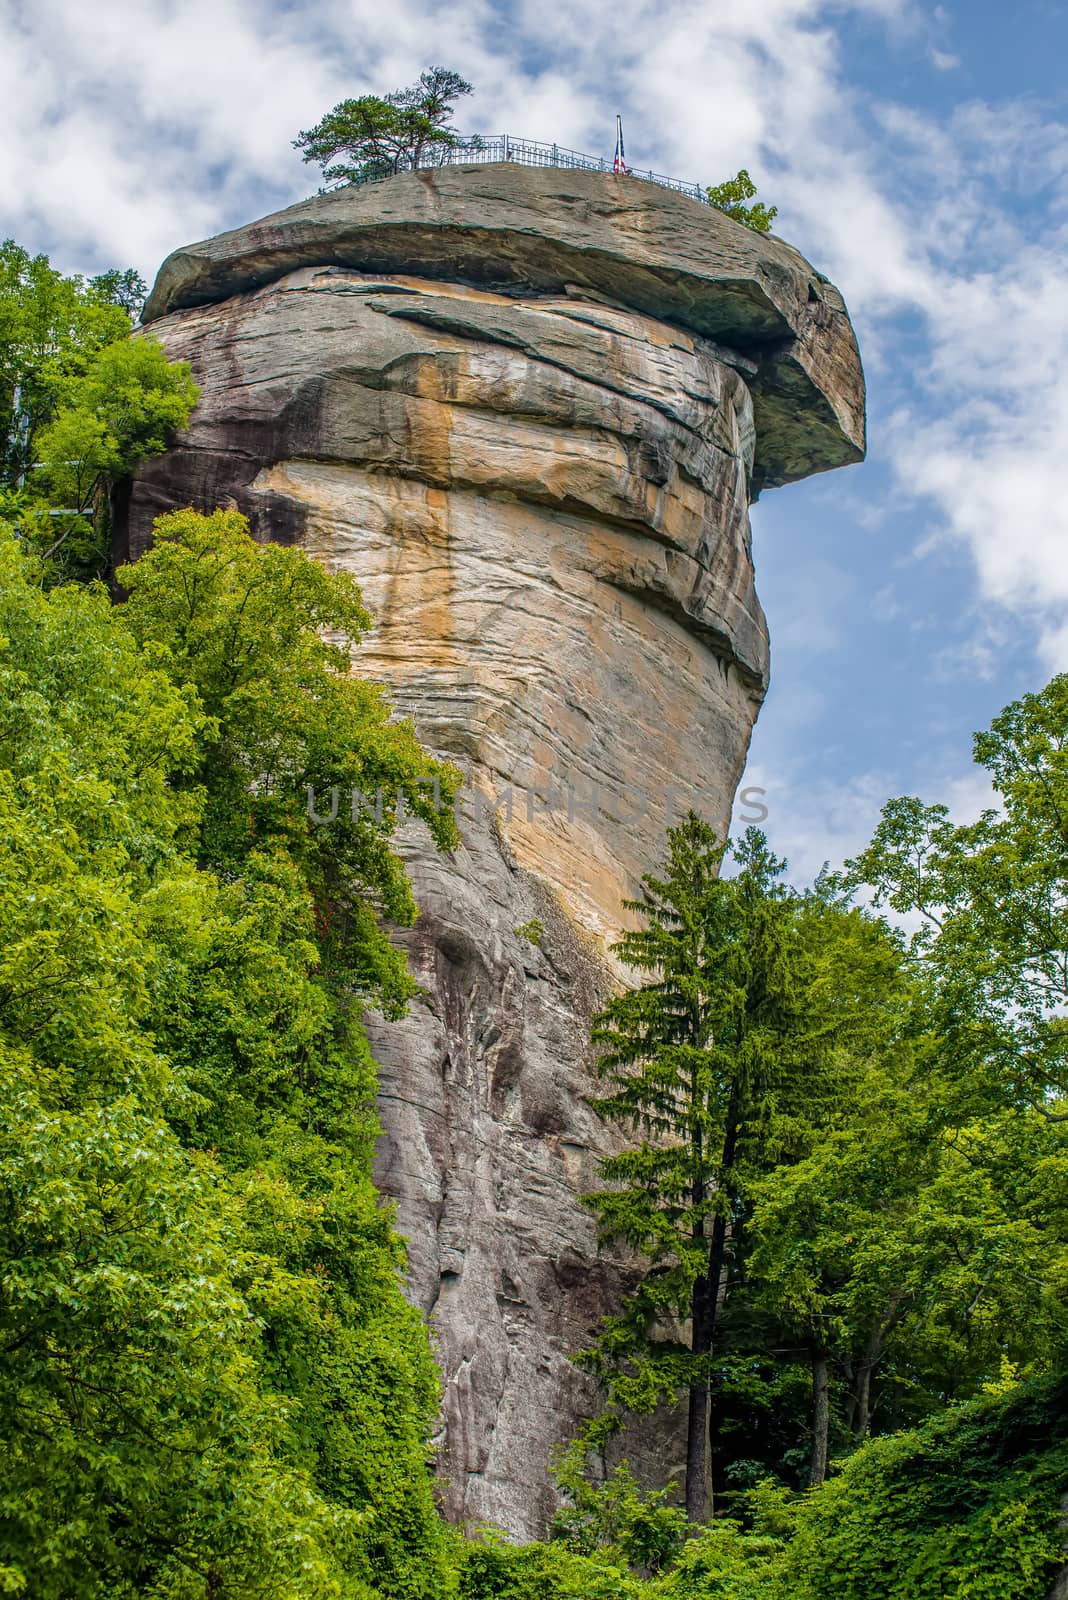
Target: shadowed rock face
[545, 497]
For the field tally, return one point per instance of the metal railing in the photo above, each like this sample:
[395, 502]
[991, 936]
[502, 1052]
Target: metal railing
[532, 153]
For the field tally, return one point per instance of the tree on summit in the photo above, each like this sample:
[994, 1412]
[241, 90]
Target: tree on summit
[375, 136]
[730, 197]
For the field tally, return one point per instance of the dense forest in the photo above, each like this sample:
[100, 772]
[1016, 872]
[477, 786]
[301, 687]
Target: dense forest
[844, 1109]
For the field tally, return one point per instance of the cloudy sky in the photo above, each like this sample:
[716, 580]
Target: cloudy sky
[918, 155]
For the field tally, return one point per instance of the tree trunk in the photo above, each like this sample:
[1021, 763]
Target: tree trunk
[821, 1419]
[858, 1412]
[707, 1293]
[861, 1401]
[697, 1496]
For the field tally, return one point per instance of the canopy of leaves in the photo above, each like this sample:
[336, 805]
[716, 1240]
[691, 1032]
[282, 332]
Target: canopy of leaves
[82, 404]
[992, 897]
[722, 1063]
[891, 1212]
[263, 636]
[50, 328]
[966, 1505]
[125, 408]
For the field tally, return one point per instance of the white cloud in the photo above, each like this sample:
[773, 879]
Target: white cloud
[137, 125]
[181, 117]
[810, 824]
[944, 60]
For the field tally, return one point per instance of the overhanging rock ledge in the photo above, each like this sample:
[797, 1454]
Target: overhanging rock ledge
[535, 230]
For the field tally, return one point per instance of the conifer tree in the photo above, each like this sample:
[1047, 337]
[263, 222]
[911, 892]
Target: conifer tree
[712, 1061]
[375, 136]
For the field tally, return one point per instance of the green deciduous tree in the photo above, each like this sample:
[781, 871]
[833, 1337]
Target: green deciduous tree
[373, 136]
[966, 1505]
[212, 1386]
[993, 899]
[141, 1451]
[50, 327]
[125, 408]
[264, 636]
[916, 1256]
[731, 197]
[275, 981]
[81, 404]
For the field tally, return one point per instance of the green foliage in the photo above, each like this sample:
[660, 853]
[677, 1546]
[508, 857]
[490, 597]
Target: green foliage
[141, 1454]
[895, 1202]
[534, 930]
[263, 636]
[124, 288]
[722, 1063]
[725, 1562]
[967, 1506]
[989, 1233]
[80, 405]
[731, 196]
[50, 327]
[376, 136]
[489, 1568]
[124, 409]
[918, 1256]
[635, 1528]
[141, 1451]
[212, 1384]
[993, 900]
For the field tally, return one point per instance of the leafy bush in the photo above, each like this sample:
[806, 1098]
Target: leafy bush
[633, 1527]
[966, 1505]
[724, 1562]
[491, 1569]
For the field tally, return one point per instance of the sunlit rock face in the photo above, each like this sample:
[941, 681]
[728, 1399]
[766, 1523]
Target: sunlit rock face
[525, 409]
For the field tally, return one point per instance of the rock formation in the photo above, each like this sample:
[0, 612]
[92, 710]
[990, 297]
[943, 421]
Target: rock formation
[529, 409]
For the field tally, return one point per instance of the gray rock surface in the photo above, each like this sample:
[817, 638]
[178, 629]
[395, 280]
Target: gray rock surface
[545, 498]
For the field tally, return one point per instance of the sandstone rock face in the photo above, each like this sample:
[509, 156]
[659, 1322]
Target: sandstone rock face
[524, 408]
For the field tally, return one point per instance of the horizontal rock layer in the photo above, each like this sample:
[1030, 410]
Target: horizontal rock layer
[531, 230]
[546, 504]
[545, 499]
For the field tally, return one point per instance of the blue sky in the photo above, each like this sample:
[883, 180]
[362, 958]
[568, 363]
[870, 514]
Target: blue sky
[918, 155]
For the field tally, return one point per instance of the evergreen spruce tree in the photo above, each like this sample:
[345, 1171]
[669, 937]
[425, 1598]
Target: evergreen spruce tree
[712, 1061]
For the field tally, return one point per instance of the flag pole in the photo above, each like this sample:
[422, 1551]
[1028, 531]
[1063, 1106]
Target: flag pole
[619, 165]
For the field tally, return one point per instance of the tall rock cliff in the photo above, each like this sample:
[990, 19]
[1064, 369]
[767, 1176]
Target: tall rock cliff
[529, 409]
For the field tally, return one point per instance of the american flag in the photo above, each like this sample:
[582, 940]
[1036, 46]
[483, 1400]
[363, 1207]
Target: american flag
[619, 164]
